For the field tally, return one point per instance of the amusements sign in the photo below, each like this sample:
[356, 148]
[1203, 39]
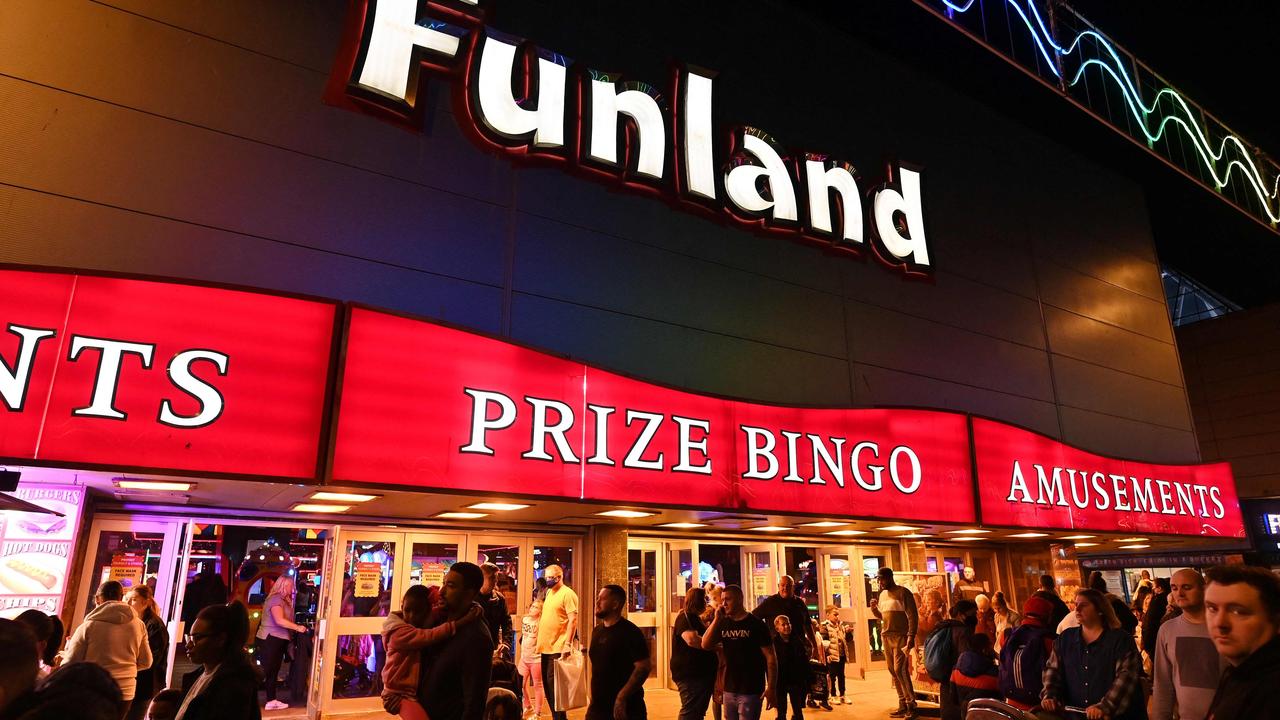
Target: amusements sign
[1028, 480]
[36, 548]
[434, 407]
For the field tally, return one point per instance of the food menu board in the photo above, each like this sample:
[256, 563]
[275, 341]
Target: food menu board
[35, 549]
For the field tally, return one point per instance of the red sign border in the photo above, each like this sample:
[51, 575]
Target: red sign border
[327, 417]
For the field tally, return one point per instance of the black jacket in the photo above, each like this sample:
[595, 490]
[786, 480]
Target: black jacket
[232, 693]
[498, 618]
[454, 684]
[1060, 609]
[1248, 691]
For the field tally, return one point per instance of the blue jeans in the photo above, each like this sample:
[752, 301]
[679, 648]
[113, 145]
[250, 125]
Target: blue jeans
[742, 707]
[695, 694]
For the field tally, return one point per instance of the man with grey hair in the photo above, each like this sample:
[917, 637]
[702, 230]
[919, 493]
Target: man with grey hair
[1185, 662]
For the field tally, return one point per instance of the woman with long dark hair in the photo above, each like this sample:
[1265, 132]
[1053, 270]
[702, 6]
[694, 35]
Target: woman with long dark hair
[225, 686]
[692, 668]
[1096, 665]
[151, 680]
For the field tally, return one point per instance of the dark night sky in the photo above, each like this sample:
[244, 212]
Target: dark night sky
[1220, 53]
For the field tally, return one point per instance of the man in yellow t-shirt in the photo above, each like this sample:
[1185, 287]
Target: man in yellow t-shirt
[556, 629]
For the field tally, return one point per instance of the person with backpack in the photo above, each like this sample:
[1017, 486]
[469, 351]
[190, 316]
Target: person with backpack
[975, 675]
[942, 652]
[1025, 652]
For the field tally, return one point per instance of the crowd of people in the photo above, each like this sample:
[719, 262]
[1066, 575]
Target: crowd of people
[1190, 647]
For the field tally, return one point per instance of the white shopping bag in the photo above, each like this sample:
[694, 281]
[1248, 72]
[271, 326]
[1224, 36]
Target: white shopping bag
[570, 681]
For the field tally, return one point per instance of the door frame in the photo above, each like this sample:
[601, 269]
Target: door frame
[749, 574]
[659, 619]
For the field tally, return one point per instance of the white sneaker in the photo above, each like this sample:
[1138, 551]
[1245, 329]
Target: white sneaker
[275, 705]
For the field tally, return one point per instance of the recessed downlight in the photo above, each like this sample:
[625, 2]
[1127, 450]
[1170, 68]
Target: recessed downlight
[846, 533]
[1138, 546]
[682, 525]
[1029, 535]
[968, 531]
[498, 506]
[320, 508]
[630, 514]
[915, 536]
[1130, 540]
[899, 528]
[157, 485]
[460, 515]
[1085, 544]
[343, 497]
[1078, 537]
[770, 528]
[823, 523]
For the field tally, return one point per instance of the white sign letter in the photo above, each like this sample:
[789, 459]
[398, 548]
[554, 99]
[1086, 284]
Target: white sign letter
[741, 183]
[820, 182]
[756, 450]
[498, 107]
[104, 385]
[14, 380]
[606, 104]
[208, 396]
[388, 61]
[538, 443]
[480, 422]
[888, 202]
[695, 125]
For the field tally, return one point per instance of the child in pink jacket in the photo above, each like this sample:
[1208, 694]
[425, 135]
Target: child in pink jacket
[404, 635]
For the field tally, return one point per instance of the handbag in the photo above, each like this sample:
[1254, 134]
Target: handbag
[570, 680]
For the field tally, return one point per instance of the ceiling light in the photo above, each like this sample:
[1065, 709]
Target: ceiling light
[160, 485]
[1080, 545]
[916, 536]
[682, 525]
[1029, 535]
[847, 533]
[460, 515]
[626, 514]
[899, 528]
[498, 506]
[1139, 546]
[823, 523]
[1131, 540]
[964, 539]
[318, 508]
[1078, 537]
[770, 528]
[343, 497]
[970, 531]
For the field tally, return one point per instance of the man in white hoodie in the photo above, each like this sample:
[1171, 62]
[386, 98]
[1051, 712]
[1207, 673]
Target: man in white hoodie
[114, 638]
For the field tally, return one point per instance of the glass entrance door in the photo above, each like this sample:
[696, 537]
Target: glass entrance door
[646, 601]
[760, 573]
[373, 567]
[838, 589]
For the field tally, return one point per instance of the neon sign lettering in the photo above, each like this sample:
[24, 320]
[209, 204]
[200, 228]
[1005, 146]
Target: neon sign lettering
[625, 133]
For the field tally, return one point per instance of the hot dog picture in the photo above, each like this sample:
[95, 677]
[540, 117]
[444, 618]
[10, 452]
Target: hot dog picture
[24, 578]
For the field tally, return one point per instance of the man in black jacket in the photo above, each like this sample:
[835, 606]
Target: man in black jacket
[1048, 590]
[455, 674]
[1242, 609]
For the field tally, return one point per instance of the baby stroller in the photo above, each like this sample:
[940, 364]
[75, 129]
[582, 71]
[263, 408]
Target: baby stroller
[819, 693]
[987, 709]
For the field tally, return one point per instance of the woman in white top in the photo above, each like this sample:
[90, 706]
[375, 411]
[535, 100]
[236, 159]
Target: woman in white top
[273, 635]
[529, 662]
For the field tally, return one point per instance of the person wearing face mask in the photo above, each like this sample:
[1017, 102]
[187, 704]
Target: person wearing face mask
[1242, 611]
[557, 628]
[1186, 663]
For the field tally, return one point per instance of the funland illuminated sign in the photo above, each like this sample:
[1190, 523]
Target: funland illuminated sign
[521, 99]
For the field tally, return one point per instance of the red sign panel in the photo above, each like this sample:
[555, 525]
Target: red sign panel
[138, 374]
[1028, 480]
[428, 406]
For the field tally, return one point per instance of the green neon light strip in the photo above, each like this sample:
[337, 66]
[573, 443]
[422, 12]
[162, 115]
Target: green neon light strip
[1139, 109]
